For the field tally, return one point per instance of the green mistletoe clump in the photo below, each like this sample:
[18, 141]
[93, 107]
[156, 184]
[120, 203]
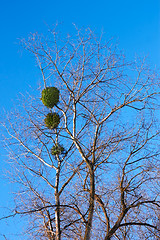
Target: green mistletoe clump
[57, 150]
[52, 120]
[50, 96]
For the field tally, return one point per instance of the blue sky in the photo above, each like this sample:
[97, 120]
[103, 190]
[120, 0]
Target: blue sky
[134, 24]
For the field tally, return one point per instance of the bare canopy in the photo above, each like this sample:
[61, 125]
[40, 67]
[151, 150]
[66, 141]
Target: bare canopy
[96, 174]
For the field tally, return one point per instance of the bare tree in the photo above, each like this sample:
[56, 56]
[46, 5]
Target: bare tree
[104, 181]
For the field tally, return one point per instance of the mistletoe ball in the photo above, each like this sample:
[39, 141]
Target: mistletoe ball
[57, 149]
[50, 96]
[52, 120]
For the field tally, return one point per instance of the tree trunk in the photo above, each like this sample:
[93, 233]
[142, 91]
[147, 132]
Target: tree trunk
[91, 206]
[57, 202]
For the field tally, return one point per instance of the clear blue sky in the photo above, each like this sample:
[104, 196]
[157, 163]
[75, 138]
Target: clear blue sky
[135, 24]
